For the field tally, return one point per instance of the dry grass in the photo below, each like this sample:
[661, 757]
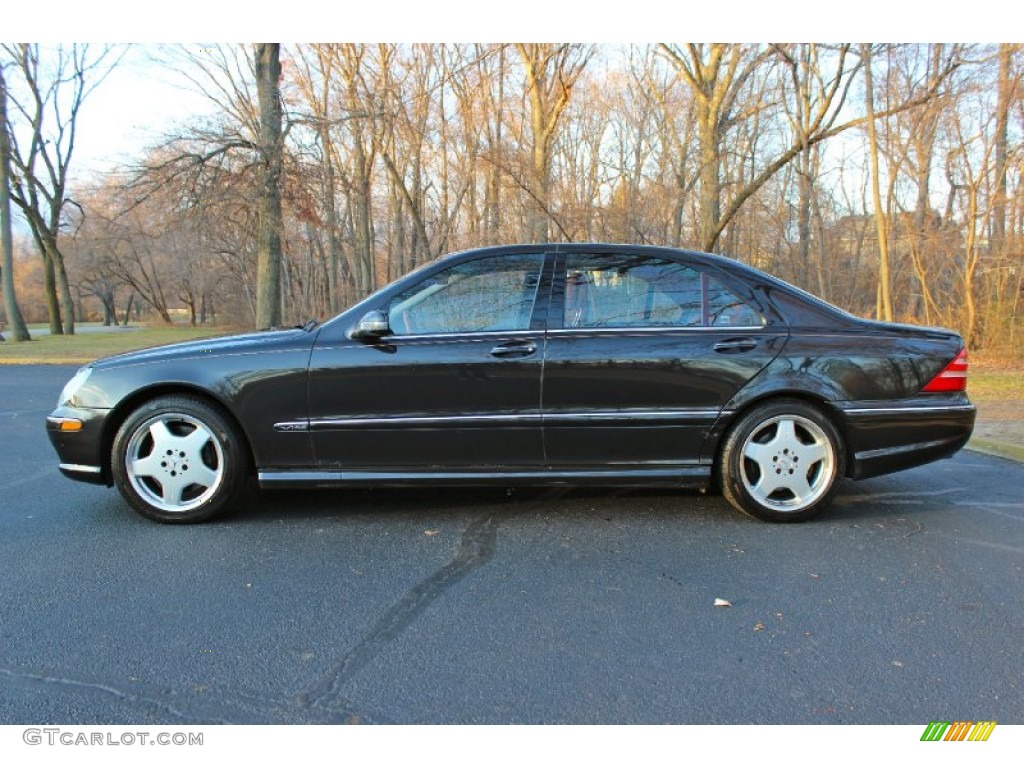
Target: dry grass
[86, 347]
[998, 391]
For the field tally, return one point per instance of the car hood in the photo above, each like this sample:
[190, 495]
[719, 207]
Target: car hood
[237, 344]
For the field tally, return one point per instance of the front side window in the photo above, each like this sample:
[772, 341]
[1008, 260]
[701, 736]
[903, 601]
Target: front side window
[619, 291]
[492, 294]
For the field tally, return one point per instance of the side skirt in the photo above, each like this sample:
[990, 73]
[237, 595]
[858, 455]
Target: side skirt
[689, 476]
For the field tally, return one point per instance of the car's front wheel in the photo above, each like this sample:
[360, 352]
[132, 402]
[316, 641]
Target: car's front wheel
[782, 462]
[177, 459]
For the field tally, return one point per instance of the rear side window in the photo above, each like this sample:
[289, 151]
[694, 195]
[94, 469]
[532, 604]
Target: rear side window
[620, 291]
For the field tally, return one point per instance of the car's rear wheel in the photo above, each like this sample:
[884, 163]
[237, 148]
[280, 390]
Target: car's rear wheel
[177, 459]
[782, 461]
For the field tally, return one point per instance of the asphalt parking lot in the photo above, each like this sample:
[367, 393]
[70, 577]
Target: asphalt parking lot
[900, 605]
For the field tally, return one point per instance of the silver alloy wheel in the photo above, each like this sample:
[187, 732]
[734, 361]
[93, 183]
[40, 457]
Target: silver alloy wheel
[175, 462]
[787, 463]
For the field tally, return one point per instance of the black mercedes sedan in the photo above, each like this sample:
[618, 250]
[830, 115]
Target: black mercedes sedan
[568, 364]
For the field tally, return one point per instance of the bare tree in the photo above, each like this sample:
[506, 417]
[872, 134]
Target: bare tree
[393, 154]
[18, 328]
[49, 98]
[316, 80]
[551, 73]
[1009, 91]
[719, 76]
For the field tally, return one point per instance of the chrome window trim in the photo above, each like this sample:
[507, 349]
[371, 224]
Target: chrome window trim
[649, 328]
[462, 335]
[540, 333]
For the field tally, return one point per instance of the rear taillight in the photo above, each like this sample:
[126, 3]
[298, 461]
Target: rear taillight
[952, 378]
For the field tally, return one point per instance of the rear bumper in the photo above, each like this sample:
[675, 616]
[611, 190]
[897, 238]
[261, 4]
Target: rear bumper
[883, 438]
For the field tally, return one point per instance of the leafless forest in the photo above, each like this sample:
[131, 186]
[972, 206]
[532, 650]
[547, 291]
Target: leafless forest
[886, 179]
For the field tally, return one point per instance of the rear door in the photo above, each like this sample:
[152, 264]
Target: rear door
[642, 354]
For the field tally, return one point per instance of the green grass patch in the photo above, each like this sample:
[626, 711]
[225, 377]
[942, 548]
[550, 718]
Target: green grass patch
[986, 385]
[86, 347]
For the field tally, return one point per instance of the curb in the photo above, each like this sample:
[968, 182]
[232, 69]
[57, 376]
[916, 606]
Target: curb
[996, 448]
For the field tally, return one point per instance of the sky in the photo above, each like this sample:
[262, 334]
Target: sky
[133, 108]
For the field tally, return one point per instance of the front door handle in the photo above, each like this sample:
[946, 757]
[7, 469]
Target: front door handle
[743, 344]
[514, 349]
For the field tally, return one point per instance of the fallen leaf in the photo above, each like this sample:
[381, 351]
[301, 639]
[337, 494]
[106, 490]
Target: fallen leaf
[719, 602]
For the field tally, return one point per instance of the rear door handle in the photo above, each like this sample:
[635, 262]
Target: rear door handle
[514, 349]
[744, 344]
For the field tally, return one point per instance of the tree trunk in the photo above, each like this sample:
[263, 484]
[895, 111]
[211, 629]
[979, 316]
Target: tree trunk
[884, 303]
[804, 181]
[551, 74]
[64, 286]
[333, 286]
[128, 309]
[106, 297]
[710, 195]
[50, 293]
[1007, 86]
[19, 331]
[361, 209]
[268, 273]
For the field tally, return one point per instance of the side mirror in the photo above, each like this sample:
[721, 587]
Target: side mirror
[373, 325]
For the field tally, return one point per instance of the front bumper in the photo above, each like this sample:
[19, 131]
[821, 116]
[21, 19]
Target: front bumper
[80, 452]
[887, 437]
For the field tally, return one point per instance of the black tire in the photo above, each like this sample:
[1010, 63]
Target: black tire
[179, 459]
[782, 462]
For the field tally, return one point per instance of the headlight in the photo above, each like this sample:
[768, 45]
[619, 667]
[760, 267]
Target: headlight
[74, 385]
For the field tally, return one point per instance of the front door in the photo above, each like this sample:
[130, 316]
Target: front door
[454, 386]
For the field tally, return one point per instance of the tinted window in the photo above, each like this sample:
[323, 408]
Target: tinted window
[621, 291]
[494, 294]
[725, 310]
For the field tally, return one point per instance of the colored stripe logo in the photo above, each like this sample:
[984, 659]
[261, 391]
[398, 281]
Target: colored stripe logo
[961, 730]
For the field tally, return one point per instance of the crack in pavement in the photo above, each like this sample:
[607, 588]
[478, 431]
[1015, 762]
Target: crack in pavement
[102, 687]
[230, 706]
[322, 701]
[476, 547]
